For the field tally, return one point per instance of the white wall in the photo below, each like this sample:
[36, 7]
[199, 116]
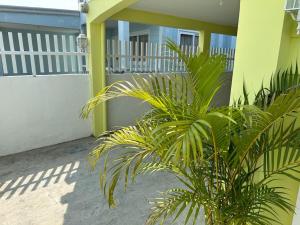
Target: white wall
[126, 111]
[41, 111]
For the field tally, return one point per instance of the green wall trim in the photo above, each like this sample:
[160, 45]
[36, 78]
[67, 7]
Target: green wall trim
[101, 10]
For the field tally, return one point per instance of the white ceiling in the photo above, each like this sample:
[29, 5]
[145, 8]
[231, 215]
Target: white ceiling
[205, 10]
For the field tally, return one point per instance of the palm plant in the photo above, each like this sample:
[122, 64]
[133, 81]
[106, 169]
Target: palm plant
[226, 159]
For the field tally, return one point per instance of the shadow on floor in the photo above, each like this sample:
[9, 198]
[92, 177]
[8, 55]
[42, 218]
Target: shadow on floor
[87, 205]
[53, 186]
[26, 172]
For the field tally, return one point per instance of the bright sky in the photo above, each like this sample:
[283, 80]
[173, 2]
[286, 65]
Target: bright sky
[57, 4]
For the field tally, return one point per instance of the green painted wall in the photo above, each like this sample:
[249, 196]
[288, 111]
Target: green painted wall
[258, 43]
[266, 43]
[290, 46]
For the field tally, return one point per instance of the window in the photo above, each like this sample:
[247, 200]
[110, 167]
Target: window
[138, 40]
[188, 39]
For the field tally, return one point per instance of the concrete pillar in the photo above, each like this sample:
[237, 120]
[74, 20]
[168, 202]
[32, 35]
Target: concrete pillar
[123, 36]
[204, 41]
[96, 36]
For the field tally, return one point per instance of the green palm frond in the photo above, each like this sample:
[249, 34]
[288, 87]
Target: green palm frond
[255, 204]
[172, 203]
[204, 73]
[282, 82]
[282, 155]
[136, 146]
[260, 122]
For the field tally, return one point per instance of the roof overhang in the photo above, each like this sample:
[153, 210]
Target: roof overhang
[220, 12]
[189, 14]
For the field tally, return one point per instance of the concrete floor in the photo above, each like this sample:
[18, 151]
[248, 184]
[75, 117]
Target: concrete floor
[53, 186]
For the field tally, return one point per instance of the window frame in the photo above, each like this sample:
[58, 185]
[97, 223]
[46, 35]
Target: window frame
[188, 32]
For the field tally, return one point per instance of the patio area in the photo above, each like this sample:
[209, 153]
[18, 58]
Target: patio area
[53, 185]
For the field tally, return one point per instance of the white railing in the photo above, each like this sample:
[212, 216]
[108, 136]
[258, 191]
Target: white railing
[37, 54]
[129, 57]
[229, 53]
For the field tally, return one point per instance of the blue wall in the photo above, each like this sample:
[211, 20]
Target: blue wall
[153, 31]
[170, 33]
[222, 41]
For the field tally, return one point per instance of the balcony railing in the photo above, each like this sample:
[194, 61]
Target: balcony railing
[129, 57]
[38, 54]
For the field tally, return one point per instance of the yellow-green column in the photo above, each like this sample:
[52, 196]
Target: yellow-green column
[204, 41]
[258, 44]
[263, 47]
[96, 36]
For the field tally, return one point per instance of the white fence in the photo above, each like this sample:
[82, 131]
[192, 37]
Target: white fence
[35, 54]
[129, 57]
[38, 54]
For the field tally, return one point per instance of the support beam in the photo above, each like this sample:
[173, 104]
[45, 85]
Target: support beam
[100, 10]
[204, 41]
[96, 36]
[138, 16]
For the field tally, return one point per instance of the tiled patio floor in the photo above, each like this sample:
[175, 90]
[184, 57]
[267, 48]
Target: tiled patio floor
[53, 186]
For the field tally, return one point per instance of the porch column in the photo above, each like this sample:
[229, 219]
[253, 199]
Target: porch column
[204, 41]
[96, 36]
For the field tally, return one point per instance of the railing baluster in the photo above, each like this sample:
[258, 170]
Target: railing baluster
[126, 57]
[163, 55]
[147, 56]
[72, 50]
[181, 61]
[48, 49]
[108, 56]
[169, 59]
[57, 61]
[142, 57]
[32, 61]
[151, 58]
[22, 53]
[3, 56]
[64, 48]
[12, 48]
[113, 56]
[130, 56]
[136, 56]
[40, 53]
[119, 53]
